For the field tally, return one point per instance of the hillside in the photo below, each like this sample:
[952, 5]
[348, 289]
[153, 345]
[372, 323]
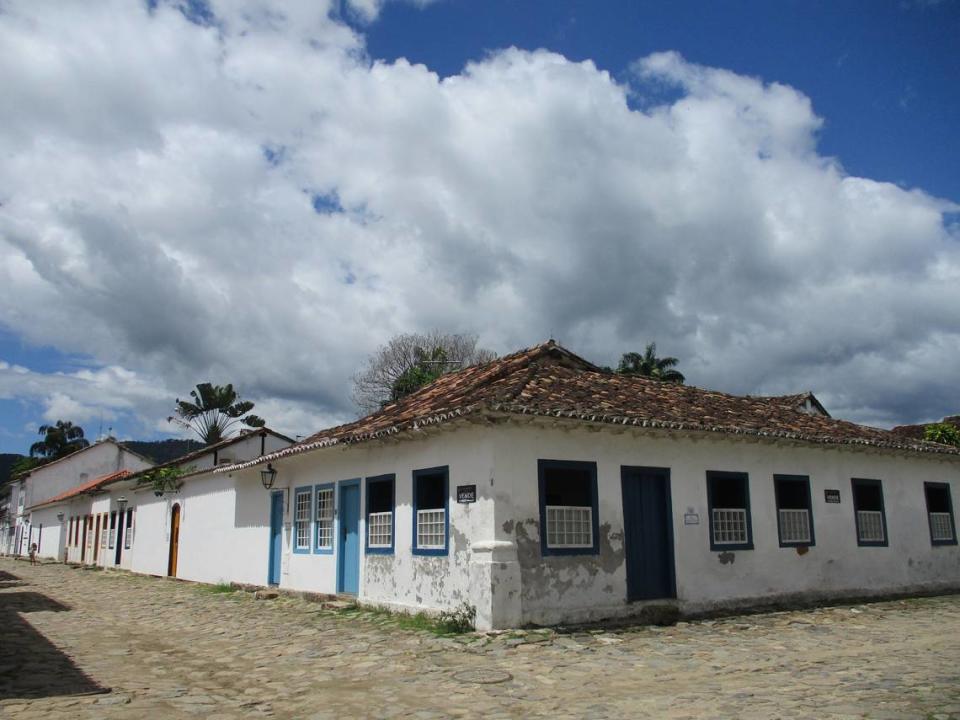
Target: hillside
[160, 451]
[7, 461]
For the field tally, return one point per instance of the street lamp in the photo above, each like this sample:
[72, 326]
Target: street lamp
[268, 477]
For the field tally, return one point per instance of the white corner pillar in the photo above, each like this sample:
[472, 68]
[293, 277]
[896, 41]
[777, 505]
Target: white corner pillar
[495, 584]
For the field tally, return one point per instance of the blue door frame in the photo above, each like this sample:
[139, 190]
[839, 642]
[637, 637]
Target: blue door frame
[648, 533]
[348, 559]
[276, 537]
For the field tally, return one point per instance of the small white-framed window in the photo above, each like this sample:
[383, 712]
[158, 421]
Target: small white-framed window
[324, 517]
[869, 512]
[303, 500]
[111, 543]
[568, 506]
[430, 500]
[103, 533]
[380, 508]
[128, 531]
[728, 497]
[794, 513]
[940, 513]
[431, 529]
[569, 527]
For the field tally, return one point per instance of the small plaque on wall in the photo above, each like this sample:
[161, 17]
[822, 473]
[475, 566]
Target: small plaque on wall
[466, 493]
[691, 519]
[831, 496]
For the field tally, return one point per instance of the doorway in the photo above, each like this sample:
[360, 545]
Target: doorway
[348, 567]
[648, 533]
[276, 537]
[174, 541]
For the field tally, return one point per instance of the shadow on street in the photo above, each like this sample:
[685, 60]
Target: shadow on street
[31, 666]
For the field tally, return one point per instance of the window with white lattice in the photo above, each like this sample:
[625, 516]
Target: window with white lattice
[113, 530]
[869, 514]
[380, 508]
[430, 511]
[794, 512]
[128, 531]
[568, 507]
[324, 519]
[728, 499]
[302, 509]
[940, 514]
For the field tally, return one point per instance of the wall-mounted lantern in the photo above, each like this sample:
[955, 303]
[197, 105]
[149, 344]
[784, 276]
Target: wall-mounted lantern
[121, 504]
[268, 476]
[60, 516]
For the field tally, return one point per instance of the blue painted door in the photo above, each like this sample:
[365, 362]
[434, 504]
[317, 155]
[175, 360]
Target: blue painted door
[276, 537]
[648, 533]
[348, 568]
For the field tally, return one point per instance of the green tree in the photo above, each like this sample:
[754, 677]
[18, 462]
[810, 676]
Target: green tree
[430, 365]
[649, 365]
[59, 440]
[214, 412]
[411, 360]
[942, 432]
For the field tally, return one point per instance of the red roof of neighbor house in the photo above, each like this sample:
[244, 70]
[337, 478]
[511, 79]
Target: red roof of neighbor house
[87, 487]
[548, 380]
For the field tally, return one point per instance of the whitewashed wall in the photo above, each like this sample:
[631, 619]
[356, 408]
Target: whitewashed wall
[80, 467]
[402, 579]
[569, 588]
[48, 534]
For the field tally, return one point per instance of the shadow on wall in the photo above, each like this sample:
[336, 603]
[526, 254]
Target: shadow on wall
[31, 666]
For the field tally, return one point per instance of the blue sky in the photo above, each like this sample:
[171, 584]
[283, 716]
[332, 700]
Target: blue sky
[884, 73]
[264, 195]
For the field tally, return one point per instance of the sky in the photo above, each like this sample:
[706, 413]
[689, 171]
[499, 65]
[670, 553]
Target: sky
[263, 193]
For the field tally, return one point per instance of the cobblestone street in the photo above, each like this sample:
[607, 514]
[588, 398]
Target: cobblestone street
[77, 643]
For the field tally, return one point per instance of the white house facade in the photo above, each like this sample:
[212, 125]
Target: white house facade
[541, 489]
[56, 479]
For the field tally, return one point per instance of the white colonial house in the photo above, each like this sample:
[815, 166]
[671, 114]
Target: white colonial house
[541, 489]
[103, 516]
[39, 523]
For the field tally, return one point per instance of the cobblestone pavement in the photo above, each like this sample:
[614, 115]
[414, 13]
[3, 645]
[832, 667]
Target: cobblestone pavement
[84, 644]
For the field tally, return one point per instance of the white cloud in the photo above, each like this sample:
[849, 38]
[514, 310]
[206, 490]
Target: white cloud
[160, 179]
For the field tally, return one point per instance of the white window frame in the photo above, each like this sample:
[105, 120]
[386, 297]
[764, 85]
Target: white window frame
[324, 515]
[569, 522]
[866, 519]
[432, 529]
[723, 518]
[794, 519]
[380, 530]
[302, 515]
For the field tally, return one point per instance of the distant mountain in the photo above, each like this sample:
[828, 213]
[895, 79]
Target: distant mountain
[161, 451]
[7, 461]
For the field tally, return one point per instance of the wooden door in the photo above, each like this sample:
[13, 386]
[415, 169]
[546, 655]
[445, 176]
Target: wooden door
[83, 542]
[648, 533]
[348, 569]
[96, 541]
[174, 541]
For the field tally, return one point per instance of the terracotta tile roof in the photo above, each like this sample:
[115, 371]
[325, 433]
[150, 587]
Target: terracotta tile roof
[917, 431]
[87, 487]
[548, 380]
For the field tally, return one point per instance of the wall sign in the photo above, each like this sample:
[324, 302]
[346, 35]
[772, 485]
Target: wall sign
[691, 519]
[466, 493]
[831, 496]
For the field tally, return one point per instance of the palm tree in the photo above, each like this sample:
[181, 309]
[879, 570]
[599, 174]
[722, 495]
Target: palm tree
[214, 412]
[649, 365]
[59, 440]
